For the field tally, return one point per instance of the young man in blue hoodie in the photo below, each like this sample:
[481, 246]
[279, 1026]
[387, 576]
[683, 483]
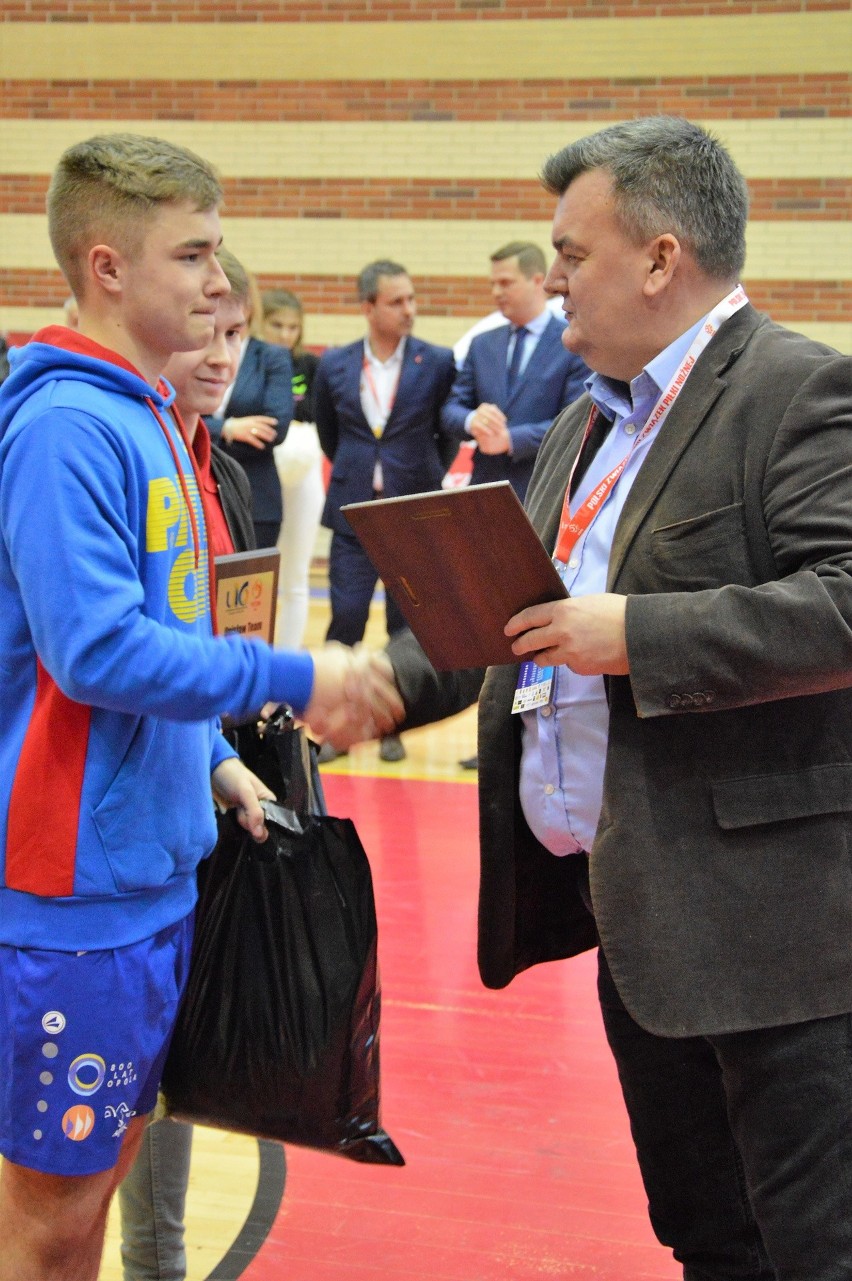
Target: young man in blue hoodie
[112, 682]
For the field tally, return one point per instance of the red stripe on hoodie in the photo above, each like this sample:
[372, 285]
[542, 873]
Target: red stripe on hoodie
[44, 808]
[73, 340]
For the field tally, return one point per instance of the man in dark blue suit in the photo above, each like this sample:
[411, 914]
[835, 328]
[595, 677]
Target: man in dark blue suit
[377, 405]
[515, 379]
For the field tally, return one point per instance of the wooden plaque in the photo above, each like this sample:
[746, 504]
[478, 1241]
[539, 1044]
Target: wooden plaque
[459, 563]
[247, 593]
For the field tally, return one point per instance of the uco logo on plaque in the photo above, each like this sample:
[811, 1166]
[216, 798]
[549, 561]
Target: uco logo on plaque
[246, 593]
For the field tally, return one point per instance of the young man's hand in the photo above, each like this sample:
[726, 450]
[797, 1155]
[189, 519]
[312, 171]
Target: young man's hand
[235, 787]
[354, 696]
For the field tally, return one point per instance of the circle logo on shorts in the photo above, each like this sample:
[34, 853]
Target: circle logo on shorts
[80, 1076]
[78, 1122]
[53, 1022]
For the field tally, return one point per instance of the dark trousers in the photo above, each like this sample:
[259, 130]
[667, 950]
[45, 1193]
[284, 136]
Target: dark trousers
[744, 1142]
[352, 581]
[266, 532]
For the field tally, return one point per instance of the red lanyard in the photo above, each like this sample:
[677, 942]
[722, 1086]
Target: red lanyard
[572, 527]
[196, 541]
[379, 427]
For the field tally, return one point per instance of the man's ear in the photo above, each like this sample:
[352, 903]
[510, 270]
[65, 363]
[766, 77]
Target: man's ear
[664, 256]
[105, 268]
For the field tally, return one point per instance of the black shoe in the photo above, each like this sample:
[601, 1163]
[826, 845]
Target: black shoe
[470, 762]
[327, 754]
[391, 748]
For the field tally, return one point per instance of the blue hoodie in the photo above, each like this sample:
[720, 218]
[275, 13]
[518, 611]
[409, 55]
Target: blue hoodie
[110, 678]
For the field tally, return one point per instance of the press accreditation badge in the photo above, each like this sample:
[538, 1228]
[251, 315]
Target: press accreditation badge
[533, 687]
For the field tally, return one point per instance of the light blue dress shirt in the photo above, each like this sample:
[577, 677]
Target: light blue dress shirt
[565, 742]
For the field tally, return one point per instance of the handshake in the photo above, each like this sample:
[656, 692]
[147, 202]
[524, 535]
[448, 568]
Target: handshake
[354, 697]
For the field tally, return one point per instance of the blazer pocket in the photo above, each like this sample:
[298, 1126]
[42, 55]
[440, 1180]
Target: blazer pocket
[777, 798]
[704, 551]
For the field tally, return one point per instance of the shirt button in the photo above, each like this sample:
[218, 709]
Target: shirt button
[629, 429]
[547, 711]
[549, 789]
[573, 563]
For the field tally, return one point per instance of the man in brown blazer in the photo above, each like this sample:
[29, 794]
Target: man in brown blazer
[682, 797]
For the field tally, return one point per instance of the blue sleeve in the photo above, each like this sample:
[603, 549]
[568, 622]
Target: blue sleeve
[575, 381]
[325, 413]
[220, 748]
[462, 399]
[272, 395]
[278, 387]
[526, 437]
[74, 528]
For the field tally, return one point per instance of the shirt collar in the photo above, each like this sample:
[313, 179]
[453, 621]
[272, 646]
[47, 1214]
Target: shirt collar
[395, 358]
[617, 400]
[537, 326]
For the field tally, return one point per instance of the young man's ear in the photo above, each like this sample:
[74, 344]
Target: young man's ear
[105, 265]
[664, 256]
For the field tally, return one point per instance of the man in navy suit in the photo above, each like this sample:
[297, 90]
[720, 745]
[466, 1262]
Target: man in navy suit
[517, 378]
[377, 405]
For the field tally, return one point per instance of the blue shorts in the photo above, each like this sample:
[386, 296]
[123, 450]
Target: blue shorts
[83, 1039]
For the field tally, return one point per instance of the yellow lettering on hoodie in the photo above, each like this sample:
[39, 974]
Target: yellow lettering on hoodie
[166, 511]
[167, 527]
[188, 587]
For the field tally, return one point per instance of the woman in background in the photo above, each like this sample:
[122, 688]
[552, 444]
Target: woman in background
[299, 464]
[255, 416]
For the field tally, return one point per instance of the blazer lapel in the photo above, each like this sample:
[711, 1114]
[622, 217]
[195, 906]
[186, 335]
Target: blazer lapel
[546, 499]
[246, 379]
[412, 363]
[703, 388]
[354, 369]
[541, 354]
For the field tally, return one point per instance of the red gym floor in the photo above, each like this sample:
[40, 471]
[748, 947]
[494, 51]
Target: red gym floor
[505, 1104]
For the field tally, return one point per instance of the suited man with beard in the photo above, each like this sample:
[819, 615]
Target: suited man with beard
[377, 406]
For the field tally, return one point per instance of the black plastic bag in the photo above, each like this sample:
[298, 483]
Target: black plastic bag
[278, 1033]
[284, 758]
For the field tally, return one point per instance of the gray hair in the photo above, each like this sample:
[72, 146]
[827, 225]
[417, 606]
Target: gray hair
[668, 175]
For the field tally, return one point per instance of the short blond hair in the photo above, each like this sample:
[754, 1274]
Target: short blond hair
[107, 188]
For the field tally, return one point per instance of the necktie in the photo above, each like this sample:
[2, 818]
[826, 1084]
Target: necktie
[517, 354]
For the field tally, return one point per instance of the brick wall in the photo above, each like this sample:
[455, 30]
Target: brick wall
[323, 173]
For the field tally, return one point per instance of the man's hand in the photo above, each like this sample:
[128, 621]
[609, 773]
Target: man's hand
[496, 440]
[354, 697]
[235, 787]
[489, 428]
[257, 430]
[586, 633]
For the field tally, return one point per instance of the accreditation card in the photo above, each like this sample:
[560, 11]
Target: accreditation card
[533, 687]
